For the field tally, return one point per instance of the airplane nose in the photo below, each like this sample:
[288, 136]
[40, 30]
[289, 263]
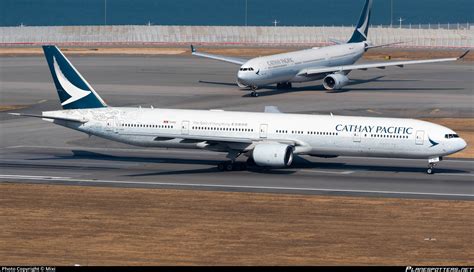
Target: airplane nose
[458, 145]
[241, 77]
[462, 144]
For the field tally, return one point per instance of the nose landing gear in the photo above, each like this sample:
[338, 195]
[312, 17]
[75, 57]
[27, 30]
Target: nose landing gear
[254, 91]
[432, 163]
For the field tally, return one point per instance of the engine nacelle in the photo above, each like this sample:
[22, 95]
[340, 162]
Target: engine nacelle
[335, 81]
[273, 155]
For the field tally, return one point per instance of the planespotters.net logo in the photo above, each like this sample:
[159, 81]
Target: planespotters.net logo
[438, 269]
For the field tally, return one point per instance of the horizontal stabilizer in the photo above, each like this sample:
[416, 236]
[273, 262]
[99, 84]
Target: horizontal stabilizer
[337, 41]
[49, 117]
[382, 45]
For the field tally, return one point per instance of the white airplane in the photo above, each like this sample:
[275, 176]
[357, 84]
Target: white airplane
[331, 63]
[269, 139]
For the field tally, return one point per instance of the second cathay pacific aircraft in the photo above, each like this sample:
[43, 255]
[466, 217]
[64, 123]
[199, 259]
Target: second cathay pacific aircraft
[331, 63]
[269, 139]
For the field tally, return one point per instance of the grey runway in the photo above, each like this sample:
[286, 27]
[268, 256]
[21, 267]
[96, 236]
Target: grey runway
[191, 169]
[35, 151]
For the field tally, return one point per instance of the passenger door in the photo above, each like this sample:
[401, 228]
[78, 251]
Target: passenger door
[263, 131]
[356, 137]
[420, 137]
[110, 125]
[185, 128]
[118, 125]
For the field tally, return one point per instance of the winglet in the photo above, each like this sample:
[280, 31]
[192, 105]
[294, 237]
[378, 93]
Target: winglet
[272, 109]
[193, 49]
[464, 54]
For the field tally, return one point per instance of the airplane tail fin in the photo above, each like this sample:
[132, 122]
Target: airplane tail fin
[362, 28]
[73, 90]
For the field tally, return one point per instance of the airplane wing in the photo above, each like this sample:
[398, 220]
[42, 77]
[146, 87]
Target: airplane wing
[237, 61]
[238, 143]
[49, 117]
[366, 66]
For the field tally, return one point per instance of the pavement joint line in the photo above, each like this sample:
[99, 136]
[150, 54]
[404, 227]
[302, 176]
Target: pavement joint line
[200, 185]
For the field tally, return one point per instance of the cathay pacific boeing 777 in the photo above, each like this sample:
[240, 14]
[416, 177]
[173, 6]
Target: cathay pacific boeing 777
[269, 139]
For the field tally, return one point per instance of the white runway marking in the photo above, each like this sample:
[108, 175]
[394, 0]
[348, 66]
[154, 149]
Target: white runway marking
[447, 174]
[327, 172]
[32, 177]
[224, 186]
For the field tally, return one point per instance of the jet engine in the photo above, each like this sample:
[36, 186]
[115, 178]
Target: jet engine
[335, 81]
[273, 155]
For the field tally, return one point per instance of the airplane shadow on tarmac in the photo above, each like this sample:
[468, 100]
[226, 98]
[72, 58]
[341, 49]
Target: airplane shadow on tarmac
[298, 163]
[272, 90]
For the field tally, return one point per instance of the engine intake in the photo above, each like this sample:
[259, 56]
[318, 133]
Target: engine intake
[273, 155]
[335, 81]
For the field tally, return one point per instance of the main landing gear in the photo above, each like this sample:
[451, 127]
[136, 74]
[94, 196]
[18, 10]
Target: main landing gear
[231, 165]
[431, 164]
[285, 85]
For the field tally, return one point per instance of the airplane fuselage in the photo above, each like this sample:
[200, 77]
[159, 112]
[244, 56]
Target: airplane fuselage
[290, 67]
[317, 135]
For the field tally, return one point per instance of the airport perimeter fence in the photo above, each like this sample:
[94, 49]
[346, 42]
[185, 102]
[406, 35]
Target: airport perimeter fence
[455, 36]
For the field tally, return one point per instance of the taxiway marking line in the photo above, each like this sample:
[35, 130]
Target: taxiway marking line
[224, 186]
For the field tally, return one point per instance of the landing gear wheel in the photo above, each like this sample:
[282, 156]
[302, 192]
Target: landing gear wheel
[229, 166]
[254, 94]
[220, 166]
[430, 169]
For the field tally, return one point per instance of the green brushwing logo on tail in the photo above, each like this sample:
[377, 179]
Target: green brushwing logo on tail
[73, 90]
[362, 28]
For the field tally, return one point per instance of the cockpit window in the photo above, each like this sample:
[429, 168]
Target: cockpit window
[246, 69]
[449, 136]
